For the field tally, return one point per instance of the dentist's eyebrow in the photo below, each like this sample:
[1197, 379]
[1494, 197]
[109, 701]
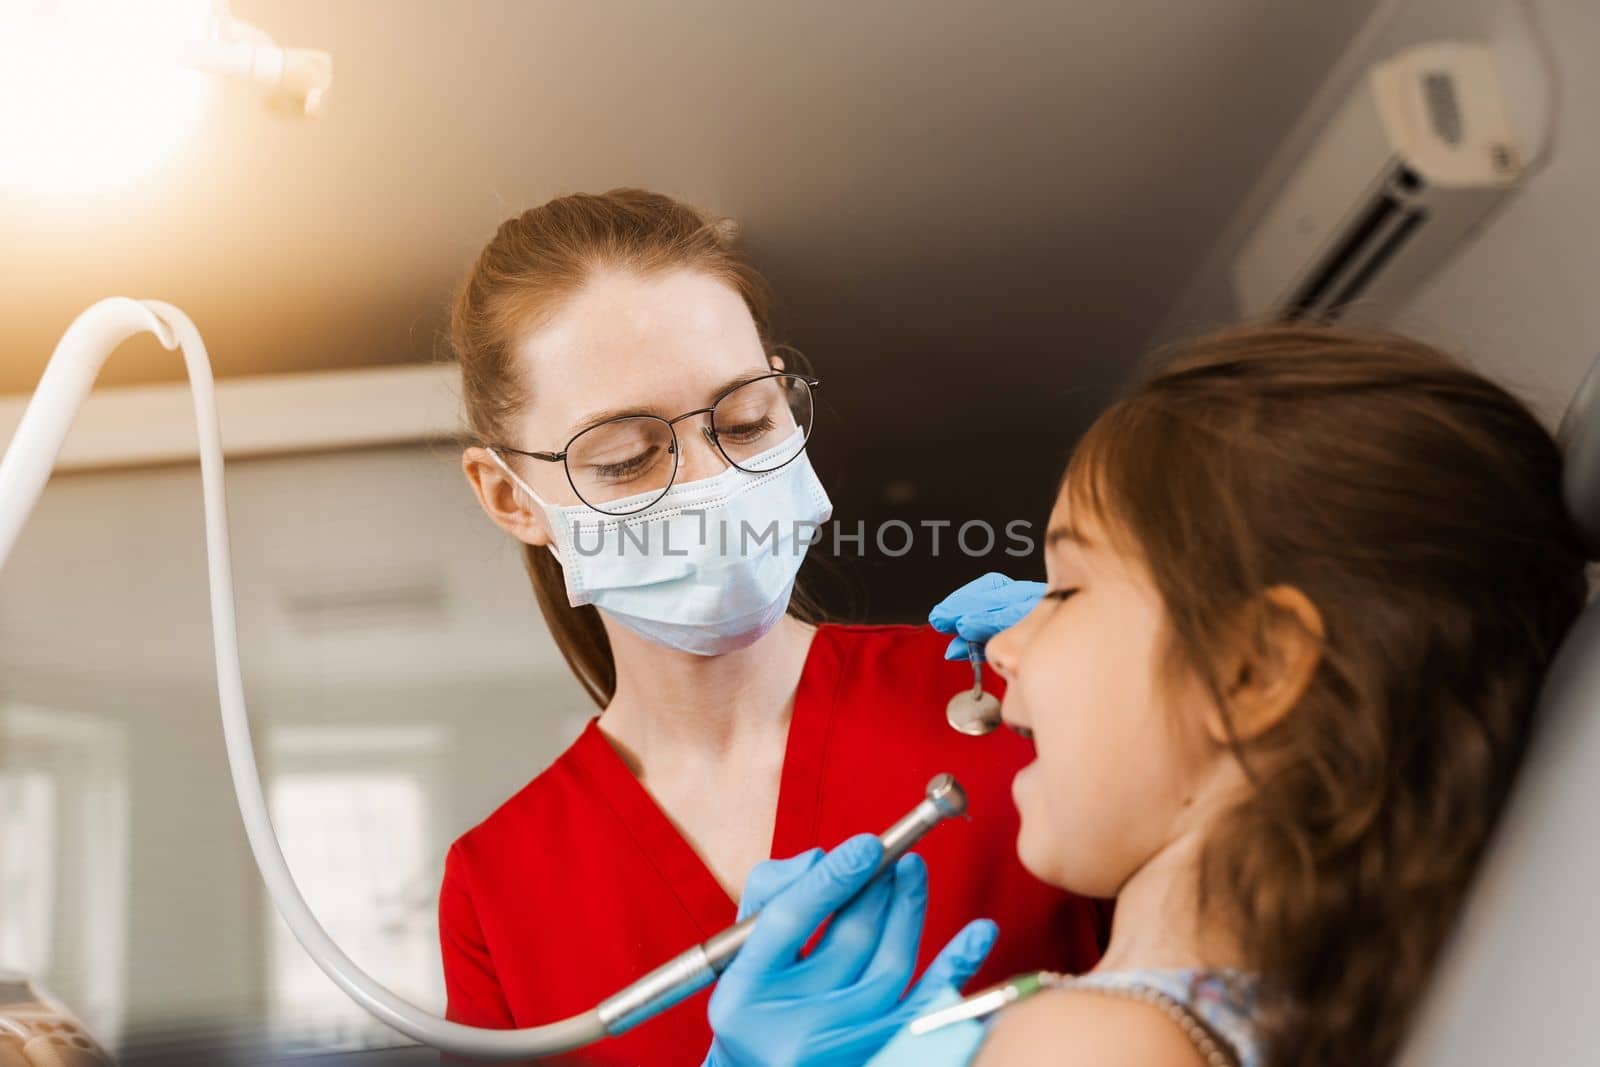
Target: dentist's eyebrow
[606, 415]
[596, 418]
[742, 379]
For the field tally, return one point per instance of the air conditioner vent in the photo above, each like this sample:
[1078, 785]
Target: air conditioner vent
[1402, 174]
[1370, 243]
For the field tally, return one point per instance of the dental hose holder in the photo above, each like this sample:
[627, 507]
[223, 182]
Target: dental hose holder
[26, 468]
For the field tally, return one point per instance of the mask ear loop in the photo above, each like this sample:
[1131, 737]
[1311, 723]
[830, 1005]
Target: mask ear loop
[516, 479]
[517, 482]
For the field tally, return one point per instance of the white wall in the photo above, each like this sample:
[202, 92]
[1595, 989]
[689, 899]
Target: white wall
[1524, 300]
[104, 620]
[1518, 300]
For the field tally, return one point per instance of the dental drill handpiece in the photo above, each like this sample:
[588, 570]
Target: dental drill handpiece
[693, 970]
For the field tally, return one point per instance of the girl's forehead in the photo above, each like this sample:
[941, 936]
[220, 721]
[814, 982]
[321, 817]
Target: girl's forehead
[1079, 536]
[1071, 524]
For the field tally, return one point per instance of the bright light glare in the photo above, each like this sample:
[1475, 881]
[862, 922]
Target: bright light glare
[89, 97]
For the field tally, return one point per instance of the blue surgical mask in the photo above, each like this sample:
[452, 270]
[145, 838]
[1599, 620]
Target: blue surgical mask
[708, 568]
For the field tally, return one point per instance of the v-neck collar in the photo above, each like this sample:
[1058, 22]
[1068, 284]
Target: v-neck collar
[795, 827]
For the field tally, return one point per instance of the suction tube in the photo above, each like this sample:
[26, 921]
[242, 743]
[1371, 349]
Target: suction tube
[67, 379]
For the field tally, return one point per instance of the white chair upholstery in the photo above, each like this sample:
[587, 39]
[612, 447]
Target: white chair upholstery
[1520, 981]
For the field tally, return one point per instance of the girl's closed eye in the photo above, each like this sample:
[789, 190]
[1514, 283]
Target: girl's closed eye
[1061, 595]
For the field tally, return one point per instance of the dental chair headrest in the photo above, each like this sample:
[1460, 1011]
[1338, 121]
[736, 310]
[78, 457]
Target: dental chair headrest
[1516, 983]
[1579, 437]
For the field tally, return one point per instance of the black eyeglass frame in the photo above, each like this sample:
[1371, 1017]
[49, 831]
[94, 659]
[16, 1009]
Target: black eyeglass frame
[709, 430]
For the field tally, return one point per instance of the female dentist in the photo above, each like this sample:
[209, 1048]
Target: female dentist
[639, 434]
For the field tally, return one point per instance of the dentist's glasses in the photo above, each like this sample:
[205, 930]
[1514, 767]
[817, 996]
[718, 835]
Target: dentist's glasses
[627, 463]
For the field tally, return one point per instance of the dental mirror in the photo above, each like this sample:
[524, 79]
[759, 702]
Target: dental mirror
[973, 711]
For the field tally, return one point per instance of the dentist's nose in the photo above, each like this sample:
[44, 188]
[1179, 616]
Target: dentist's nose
[698, 454]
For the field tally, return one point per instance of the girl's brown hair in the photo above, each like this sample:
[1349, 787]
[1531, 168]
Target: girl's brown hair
[1418, 506]
[535, 262]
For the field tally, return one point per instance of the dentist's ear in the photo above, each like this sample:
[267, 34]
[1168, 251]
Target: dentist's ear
[1273, 668]
[502, 500]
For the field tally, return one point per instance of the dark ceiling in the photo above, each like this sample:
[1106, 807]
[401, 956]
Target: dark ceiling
[972, 214]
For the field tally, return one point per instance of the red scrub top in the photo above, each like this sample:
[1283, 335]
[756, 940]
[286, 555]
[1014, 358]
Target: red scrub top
[579, 883]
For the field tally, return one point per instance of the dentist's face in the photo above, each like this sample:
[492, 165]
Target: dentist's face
[1119, 732]
[623, 344]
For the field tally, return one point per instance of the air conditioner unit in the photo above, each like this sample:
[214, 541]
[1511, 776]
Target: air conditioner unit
[1407, 167]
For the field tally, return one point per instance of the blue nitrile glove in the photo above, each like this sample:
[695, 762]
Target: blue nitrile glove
[982, 608]
[841, 1003]
[952, 1043]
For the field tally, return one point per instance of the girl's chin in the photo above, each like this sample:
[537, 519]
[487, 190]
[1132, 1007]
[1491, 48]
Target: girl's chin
[1034, 859]
[1036, 835]
[1021, 787]
[1022, 795]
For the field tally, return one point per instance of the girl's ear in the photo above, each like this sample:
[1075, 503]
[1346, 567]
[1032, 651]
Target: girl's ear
[1273, 667]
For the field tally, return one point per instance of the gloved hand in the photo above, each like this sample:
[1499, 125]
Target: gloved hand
[981, 609]
[841, 1003]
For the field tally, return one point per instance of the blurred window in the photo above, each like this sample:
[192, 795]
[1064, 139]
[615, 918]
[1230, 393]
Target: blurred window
[356, 839]
[27, 869]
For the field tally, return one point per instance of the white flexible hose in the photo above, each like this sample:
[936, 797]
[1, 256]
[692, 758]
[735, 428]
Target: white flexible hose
[23, 473]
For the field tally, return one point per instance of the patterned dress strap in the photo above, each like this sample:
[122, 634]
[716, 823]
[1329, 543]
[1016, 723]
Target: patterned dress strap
[1213, 1048]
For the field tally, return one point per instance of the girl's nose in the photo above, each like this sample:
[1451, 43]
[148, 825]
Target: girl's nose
[1001, 651]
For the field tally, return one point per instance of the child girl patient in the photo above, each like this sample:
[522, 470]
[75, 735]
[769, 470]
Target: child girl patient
[1302, 586]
